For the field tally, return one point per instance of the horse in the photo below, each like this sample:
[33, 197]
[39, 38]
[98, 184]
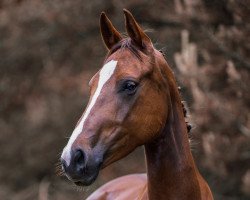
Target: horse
[134, 101]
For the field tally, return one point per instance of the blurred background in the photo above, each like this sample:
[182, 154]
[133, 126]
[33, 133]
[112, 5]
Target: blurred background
[49, 49]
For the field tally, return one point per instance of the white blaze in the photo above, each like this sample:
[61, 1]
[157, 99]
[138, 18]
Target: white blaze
[104, 75]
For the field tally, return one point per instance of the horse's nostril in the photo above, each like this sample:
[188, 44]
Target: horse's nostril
[78, 160]
[79, 157]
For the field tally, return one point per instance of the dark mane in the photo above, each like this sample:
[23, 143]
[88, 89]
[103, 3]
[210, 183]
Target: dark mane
[126, 43]
[185, 110]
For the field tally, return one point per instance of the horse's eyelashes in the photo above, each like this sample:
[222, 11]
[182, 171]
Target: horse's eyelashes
[128, 86]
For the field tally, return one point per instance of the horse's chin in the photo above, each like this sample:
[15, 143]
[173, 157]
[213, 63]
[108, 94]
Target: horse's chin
[86, 181]
[89, 176]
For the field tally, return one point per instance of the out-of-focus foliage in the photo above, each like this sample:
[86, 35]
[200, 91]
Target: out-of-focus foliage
[49, 49]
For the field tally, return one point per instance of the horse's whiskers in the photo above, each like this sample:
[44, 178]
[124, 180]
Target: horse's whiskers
[58, 169]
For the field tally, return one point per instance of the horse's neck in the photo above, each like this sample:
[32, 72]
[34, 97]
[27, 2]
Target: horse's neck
[171, 170]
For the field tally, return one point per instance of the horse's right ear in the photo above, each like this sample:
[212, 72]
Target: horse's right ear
[109, 34]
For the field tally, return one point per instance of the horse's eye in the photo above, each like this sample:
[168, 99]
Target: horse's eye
[129, 87]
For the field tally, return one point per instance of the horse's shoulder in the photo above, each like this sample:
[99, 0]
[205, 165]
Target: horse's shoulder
[125, 187]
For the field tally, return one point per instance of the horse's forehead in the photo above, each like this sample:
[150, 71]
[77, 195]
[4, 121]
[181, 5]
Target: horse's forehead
[127, 64]
[104, 74]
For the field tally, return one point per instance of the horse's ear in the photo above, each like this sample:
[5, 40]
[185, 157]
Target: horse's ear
[109, 34]
[134, 31]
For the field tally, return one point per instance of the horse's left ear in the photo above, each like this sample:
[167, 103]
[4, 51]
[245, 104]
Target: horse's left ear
[134, 31]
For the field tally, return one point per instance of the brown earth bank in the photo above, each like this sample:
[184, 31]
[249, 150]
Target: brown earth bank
[49, 49]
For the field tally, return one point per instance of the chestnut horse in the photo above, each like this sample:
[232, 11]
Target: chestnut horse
[134, 101]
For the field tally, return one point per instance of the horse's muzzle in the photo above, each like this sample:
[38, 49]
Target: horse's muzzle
[81, 170]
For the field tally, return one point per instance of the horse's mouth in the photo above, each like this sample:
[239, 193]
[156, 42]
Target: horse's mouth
[87, 179]
[86, 182]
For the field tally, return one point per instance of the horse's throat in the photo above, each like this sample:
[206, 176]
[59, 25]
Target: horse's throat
[170, 166]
